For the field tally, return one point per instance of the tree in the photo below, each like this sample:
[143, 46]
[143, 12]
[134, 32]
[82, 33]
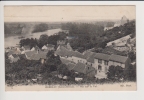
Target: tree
[115, 72]
[52, 61]
[43, 40]
[111, 72]
[62, 69]
[102, 44]
[119, 72]
[130, 73]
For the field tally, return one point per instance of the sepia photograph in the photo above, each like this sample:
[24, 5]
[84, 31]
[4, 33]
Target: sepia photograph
[70, 48]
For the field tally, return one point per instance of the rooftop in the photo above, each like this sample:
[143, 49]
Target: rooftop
[14, 55]
[82, 68]
[89, 56]
[26, 47]
[62, 51]
[118, 58]
[36, 48]
[102, 56]
[30, 53]
[38, 56]
[64, 61]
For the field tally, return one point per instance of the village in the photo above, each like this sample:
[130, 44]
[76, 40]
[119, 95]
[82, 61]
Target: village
[95, 65]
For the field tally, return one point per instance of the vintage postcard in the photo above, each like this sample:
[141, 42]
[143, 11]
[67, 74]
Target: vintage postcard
[70, 48]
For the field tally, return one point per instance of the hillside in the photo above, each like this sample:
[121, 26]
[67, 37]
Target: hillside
[93, 35]
[118, 32]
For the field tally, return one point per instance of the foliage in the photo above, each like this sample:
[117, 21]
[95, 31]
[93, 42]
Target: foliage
[62, 69]
[102, 44]
[43, 40]
[31, 42]
[93, 35]
[52, 61]
[40, 28]
[115, 72]
[130, 73]
[132, 56]
[12, 28]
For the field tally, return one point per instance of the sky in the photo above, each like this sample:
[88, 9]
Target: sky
[66, 13]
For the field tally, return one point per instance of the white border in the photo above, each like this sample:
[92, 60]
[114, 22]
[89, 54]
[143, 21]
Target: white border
[137, 95]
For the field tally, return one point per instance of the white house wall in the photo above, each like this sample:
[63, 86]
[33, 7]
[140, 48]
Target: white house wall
[116, 64]
[76, 59]
[104, 67]
[44, 47]
[33, 49]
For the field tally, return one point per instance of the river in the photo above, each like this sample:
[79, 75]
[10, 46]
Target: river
[14, 40]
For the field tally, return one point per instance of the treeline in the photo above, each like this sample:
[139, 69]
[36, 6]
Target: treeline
[40, 28]
[43, 40]
[83, 28]
[11, 29]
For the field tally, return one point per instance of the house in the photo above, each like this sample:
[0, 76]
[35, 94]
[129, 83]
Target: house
[68, 46]
[28, 54]
[118, 60]
[78, 79]
[121, 47]
[89, 56]
[126, 45]
[101, 65]
[13, 58]
[48, 47]
[36, 55]
[107, 28]
[70, 55]
[103, 61]
[25, 47]
[78, 57]
[118, 41]
[84, 69]
[35, 48]
[19, 50]
[39, 56]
